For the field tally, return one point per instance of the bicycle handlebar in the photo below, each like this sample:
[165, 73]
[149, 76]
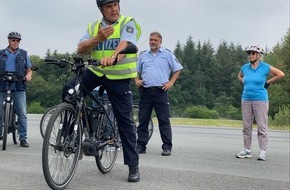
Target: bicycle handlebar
[77, 61]
[11, 77]
[130, 49]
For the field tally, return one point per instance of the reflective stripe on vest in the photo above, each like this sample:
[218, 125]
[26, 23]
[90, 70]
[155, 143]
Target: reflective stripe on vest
[126, 67]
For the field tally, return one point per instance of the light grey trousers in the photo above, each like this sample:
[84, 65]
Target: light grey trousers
[257, 110]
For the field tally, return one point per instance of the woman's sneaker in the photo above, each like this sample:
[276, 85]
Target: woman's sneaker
[262, 156]
[244, 154]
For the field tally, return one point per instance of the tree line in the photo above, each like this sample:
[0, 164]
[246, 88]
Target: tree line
[207, 87]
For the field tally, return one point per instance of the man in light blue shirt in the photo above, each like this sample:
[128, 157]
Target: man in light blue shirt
[154, 68]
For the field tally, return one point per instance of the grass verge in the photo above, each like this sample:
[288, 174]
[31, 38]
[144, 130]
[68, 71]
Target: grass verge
[215, 123]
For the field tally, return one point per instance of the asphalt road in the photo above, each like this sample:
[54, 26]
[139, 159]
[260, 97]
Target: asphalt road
[203, 158]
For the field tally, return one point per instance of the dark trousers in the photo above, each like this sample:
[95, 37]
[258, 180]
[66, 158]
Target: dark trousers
[158, 99]
[120, 95]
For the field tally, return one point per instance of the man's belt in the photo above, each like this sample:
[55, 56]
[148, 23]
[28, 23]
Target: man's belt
[153, 88]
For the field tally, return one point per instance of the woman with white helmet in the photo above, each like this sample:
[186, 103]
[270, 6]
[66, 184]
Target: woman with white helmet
[255, 102]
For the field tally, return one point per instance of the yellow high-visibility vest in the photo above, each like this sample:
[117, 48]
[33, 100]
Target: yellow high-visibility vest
[126, 67]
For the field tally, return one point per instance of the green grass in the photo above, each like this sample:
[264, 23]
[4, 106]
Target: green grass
[215, 123]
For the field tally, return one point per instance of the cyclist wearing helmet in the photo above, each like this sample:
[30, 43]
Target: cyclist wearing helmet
[103, 39]
[17, 60]
[255, 102]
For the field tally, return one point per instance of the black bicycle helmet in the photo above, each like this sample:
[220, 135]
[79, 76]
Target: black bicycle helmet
[102, 2]
[14, 35]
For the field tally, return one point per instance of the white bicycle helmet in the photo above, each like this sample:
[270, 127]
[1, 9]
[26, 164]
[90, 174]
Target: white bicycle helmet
[256, 48]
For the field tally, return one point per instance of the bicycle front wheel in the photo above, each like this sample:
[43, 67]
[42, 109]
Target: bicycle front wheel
[44, 120]
[6, 122]
[60, 152]
[107, 154]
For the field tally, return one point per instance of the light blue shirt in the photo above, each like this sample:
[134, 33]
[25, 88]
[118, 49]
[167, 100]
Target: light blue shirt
[254, 81]
[11, 61]
[125, 35]
[155, 70]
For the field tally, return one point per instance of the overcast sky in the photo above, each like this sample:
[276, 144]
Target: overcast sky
[59, 24]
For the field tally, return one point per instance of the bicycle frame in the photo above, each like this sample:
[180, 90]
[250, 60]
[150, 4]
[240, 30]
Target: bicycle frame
[76, 97]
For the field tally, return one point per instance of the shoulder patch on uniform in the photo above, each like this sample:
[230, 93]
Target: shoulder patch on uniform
[129, 29]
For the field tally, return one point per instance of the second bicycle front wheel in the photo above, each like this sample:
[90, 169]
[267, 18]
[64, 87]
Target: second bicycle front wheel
[60, 154]
[44, 120]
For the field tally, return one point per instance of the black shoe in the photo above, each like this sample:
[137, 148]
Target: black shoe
[166, 152]
[23, 143]
[1, 137]
[134, 175]
[141, 151]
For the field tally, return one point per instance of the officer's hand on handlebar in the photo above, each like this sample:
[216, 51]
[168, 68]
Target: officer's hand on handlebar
[107, 61]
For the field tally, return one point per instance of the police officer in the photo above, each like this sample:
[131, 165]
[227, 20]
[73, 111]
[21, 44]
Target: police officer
[16, 60]
[154, 67]
[103, 40]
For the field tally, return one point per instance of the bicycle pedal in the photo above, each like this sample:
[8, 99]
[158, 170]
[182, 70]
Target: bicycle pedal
[111, 142]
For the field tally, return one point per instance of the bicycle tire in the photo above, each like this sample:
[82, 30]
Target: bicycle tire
[108, 154]
[44, 120]
[6, 124]
[59, 159]
[15, 133]
[150, 128]
[136, 121]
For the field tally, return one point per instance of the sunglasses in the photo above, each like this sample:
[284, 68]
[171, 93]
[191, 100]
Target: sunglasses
[251, 53]
[15, 40]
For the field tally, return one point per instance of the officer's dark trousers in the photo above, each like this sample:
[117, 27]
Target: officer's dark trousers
[158, 99]
[120, 95]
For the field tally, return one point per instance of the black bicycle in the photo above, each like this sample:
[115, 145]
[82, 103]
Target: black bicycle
[72, 120]
[136, 119]
[9, 116]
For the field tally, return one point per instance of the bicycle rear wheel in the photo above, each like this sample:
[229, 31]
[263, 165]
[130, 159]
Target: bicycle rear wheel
[107, 154]
[6, 121]
[44, 120]
[15, 133]
[60, 155]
